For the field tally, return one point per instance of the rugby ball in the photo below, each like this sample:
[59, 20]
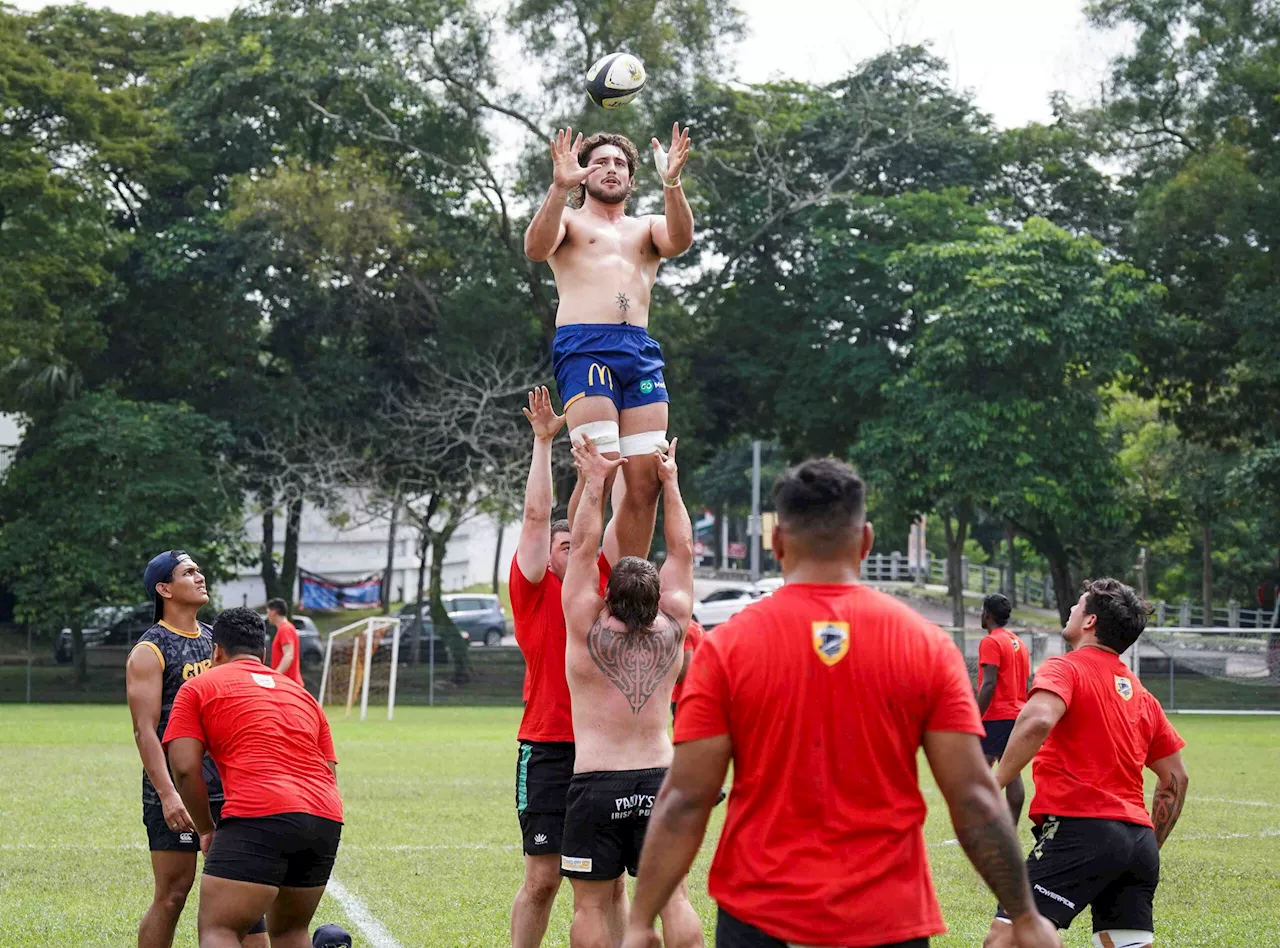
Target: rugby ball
[615, 80]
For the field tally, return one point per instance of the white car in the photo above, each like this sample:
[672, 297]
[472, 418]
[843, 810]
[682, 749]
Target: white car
[722, 605]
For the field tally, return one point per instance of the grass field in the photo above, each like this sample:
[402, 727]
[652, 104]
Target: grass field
[431, 846]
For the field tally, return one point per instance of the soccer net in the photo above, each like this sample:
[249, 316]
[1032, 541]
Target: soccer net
[360, 663]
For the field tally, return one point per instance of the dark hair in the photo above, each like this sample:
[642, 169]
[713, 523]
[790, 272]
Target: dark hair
[280, 606]
[1122, 613]
[823, 500]
[559, 526]
[998, 606]
[633, 592]
[240, 631]
[578, 196]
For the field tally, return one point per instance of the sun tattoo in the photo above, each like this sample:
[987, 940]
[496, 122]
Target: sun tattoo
[624, 304]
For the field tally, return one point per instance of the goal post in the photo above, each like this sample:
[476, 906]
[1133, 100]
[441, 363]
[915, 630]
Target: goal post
[365, 657]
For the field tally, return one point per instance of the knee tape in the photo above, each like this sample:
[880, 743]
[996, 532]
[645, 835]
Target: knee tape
[646, 442]
[603, 434]
[1123, 938]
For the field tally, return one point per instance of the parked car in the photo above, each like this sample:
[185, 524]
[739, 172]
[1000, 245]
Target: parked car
[107, 625]
[479, 617]
[722, 605]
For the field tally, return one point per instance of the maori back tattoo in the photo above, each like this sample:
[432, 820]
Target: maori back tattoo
[636, 662]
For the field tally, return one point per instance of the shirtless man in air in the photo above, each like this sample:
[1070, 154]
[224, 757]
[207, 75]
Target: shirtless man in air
[608, 369]
[623, 654]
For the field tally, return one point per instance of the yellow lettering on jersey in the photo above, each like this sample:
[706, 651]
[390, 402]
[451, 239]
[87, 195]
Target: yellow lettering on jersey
[191, 669]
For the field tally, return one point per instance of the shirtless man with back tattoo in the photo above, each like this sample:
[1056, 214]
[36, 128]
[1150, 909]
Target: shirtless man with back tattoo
[608, 369]
[623, 656]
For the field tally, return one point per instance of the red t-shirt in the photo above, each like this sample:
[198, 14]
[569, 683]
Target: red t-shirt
[268, 737]
[825, 693]
[1091, 764]
[287, 634]
[539, 626]
[1005, 650]
[693, 637]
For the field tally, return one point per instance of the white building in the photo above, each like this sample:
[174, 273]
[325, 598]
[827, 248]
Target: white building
[10, 438]
[356, 547]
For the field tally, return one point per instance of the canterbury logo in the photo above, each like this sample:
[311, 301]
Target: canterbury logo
[601, 373]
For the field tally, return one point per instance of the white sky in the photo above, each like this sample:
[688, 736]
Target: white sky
[1011, 53]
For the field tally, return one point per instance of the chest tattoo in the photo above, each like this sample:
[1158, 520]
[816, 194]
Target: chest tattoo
[636, 662]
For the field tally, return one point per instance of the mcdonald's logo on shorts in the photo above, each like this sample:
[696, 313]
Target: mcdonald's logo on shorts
[599, 371]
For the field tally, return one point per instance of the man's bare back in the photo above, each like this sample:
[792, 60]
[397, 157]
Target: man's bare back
[621, 684]
[605, 269]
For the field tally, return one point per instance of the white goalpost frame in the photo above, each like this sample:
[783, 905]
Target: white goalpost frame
[365, 628]
[1200, 630]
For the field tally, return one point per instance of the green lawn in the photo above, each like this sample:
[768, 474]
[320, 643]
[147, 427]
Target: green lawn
[431, 845]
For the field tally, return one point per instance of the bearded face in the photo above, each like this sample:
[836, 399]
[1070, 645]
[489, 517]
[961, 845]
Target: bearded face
[610, 181]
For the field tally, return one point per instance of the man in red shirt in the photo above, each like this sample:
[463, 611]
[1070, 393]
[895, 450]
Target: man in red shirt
[280, 825]
[821, 695]
[1092, 727]
[1003, 669]
[286, 650]
[545, 763]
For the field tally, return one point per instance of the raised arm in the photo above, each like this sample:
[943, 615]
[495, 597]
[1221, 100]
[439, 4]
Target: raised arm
[581, 593]
[547, 229]
[534, 550]
[672, 233]
[144, 690]
[677, 569]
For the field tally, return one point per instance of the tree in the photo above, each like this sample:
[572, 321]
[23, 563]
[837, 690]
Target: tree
[99, 488]
[1002, 401]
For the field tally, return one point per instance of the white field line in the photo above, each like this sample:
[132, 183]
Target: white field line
[1176, 837]
[1233, 802]
[140, 847]
[360, 915]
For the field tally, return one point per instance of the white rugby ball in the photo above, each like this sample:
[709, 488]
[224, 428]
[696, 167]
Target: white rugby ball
[615, 80]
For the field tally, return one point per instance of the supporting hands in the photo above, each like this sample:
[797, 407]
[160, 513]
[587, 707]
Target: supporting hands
[594, 465]
[568, 172]
[670, 164]
[667, 471]
[542, 416]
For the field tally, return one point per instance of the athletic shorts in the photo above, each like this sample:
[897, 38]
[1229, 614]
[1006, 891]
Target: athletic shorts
[608, 813]
[735, 933]
[1110, 865]
[543, 772]
[288, 849]
[161, 839]
[622, 363]
[997, 737]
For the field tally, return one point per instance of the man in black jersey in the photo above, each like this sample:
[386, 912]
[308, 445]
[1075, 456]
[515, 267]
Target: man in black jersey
[176, 648]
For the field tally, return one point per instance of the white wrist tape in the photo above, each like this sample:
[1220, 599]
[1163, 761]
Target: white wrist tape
[603, 434]
[660, 162]
[646, 442]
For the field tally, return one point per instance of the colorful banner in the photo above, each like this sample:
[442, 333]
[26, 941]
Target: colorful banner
[331, 594]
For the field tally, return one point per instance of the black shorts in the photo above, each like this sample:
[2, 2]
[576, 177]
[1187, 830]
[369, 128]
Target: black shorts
[1107, 864]
[289, 849]
[161, 839]
[735, 933]
[604, 825]
[543, 772]
[997, 737]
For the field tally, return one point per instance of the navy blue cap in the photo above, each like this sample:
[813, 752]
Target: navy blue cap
[331, 936]
[160, 570]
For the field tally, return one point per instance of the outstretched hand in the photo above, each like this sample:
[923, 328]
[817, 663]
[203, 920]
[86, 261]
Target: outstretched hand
[594, 465]
[564, 157]
[671, 163]
[667, 471]
[1035, 931]
[542, 416]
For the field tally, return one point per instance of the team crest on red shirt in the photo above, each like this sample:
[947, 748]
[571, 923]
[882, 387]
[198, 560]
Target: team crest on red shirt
[831, 641]
[1124, 687]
